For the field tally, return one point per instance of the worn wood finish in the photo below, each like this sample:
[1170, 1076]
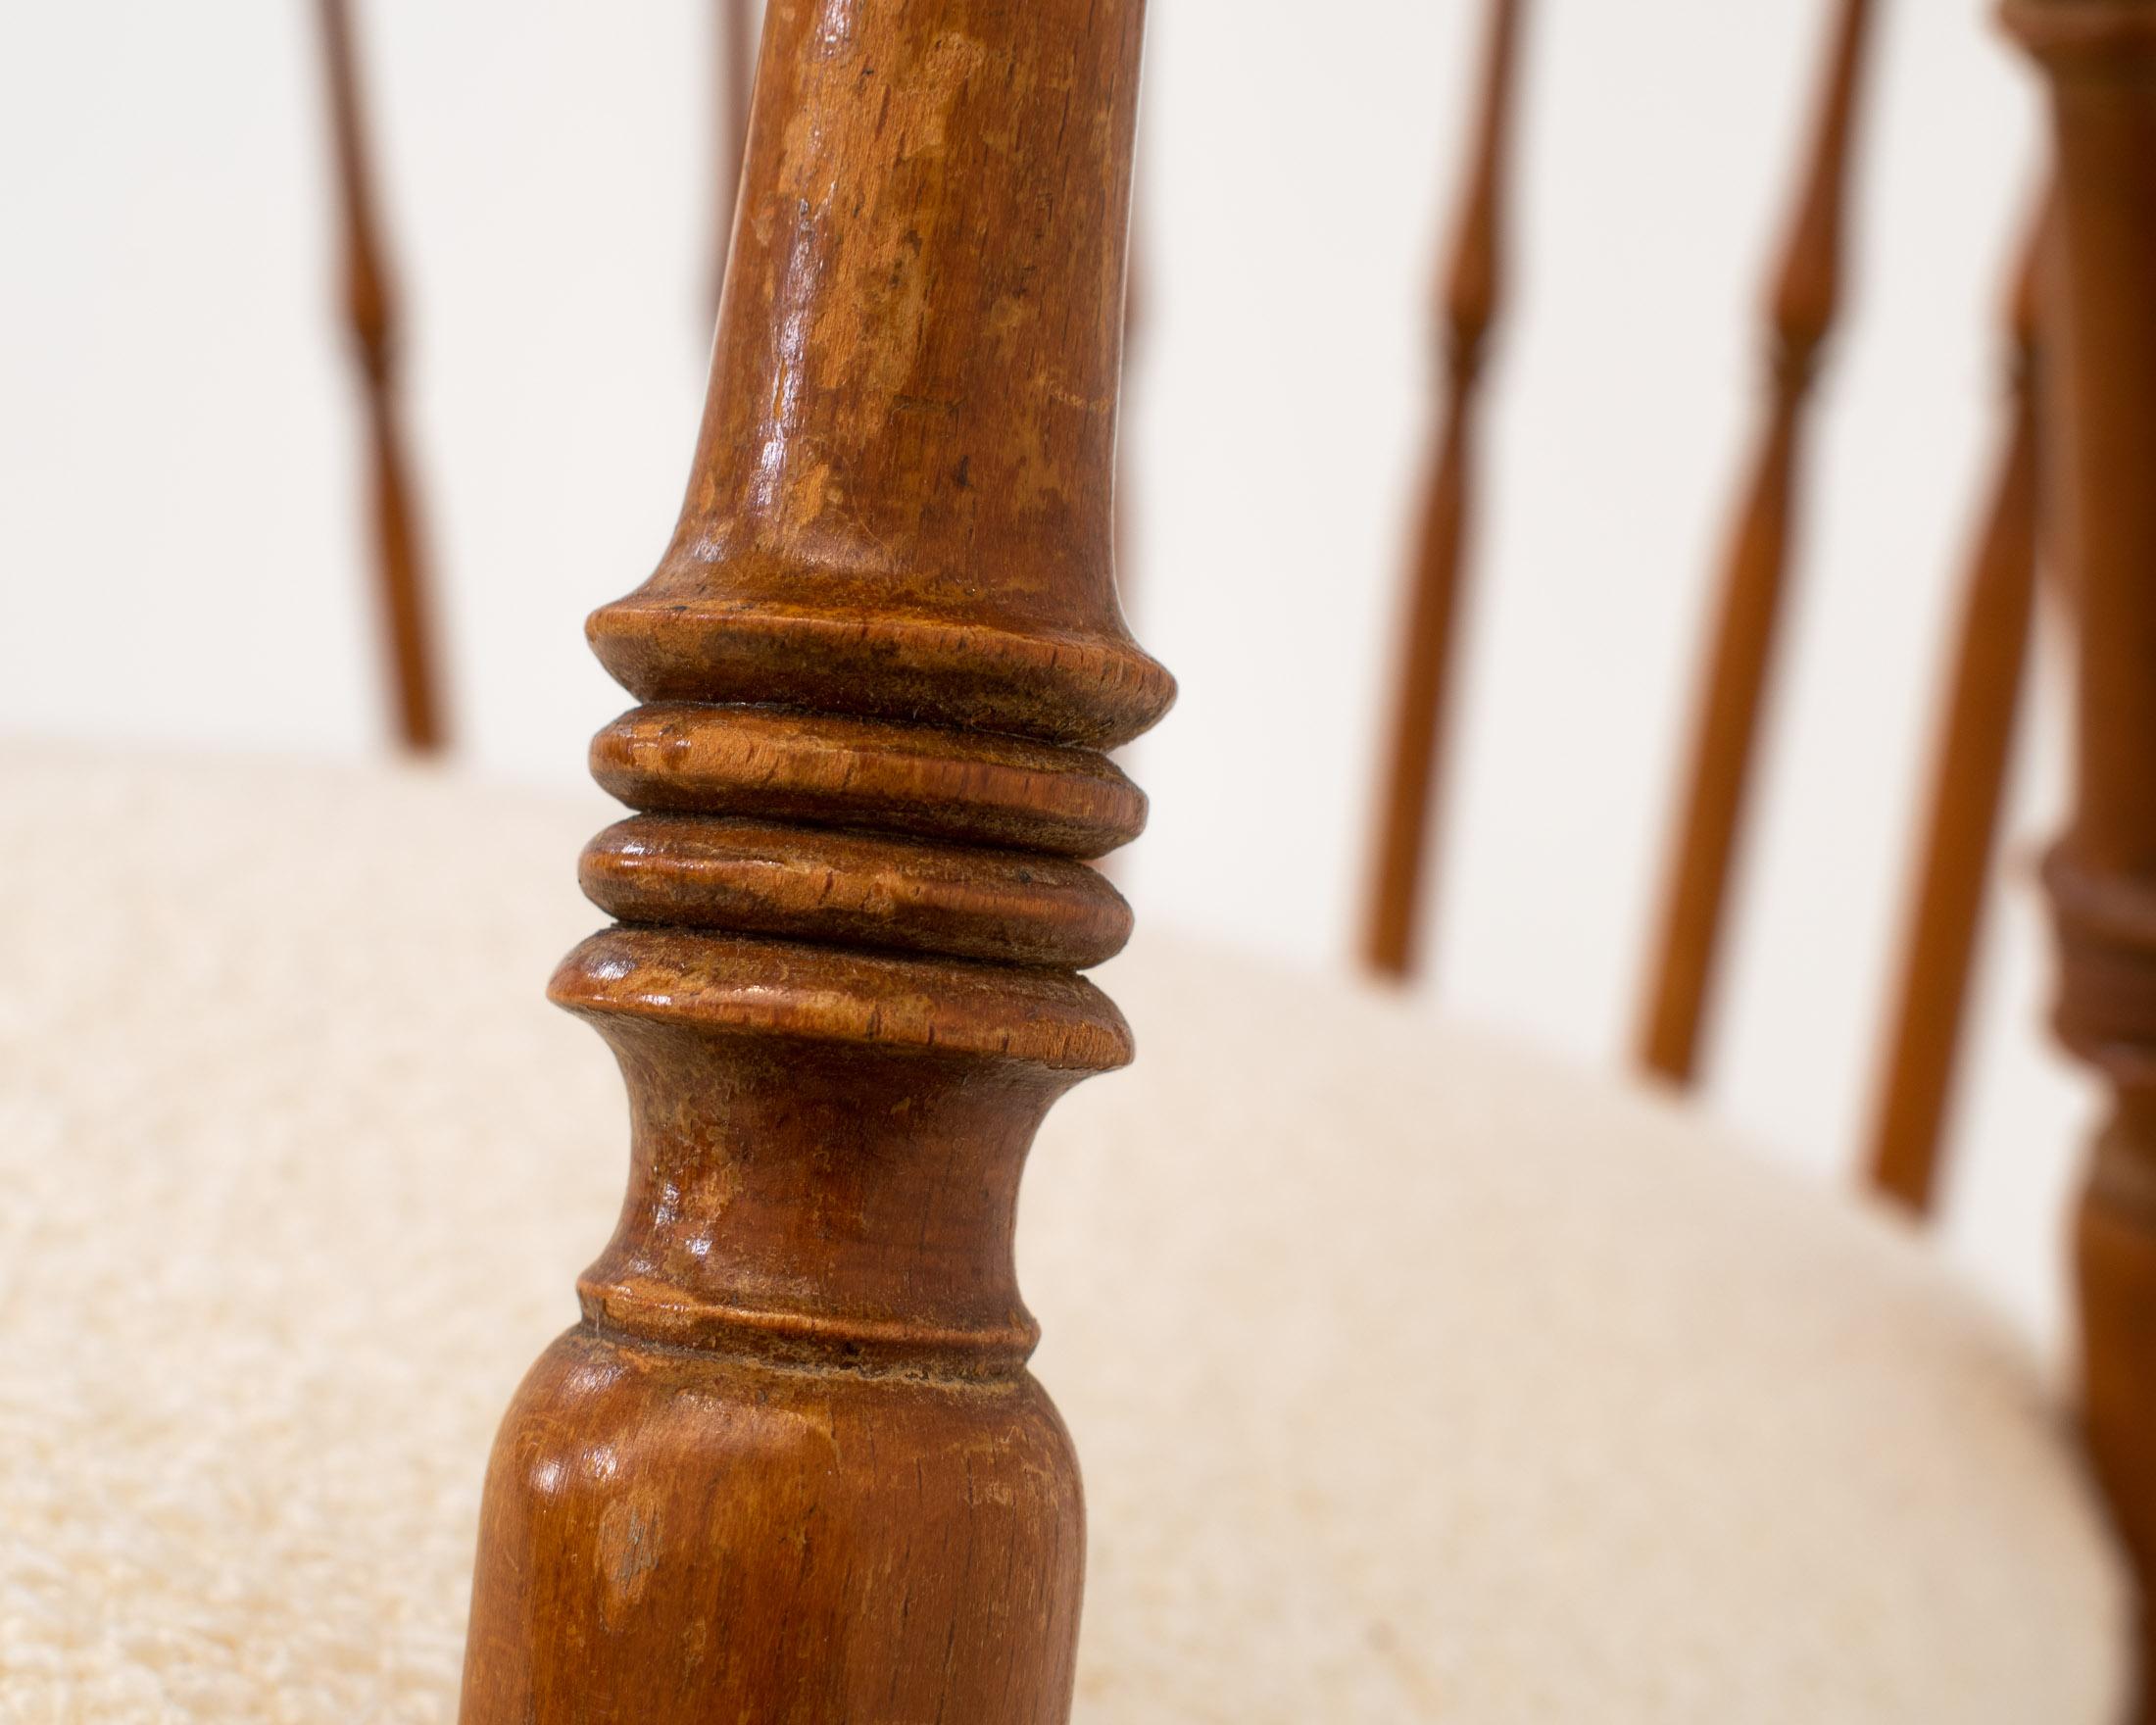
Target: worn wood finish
[2100, 441]
[1469, 300]
[371, 310]
[1802, 306]
[789, 1465]
[1953, 870]
[733, 37]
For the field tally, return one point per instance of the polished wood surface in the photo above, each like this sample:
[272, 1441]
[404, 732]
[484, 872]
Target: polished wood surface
[790, 1467]
[1954, 868]
[1805, 295]
[2099, 440]
[1469, 299]
[402, 586]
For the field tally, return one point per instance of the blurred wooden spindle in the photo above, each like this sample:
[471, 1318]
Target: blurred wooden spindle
[1469, 295]
[734, 37]
[371, 310]
[1946, 899]
[1805, 296]
[2098, 445]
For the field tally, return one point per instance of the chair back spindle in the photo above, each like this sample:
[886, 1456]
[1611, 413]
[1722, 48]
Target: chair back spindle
[791, 1465]
[371, 310]
[734, 39]
[2099, 443]
[1954, 867]
[1470, 296]
[1805, 295]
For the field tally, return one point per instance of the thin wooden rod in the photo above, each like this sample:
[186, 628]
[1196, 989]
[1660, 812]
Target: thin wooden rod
[401, 576]
[1803, 302]
[734, 37]
[1470, 297]
[2098, 442]
[1960, 839]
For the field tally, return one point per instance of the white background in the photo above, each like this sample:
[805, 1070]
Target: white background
[180, 531]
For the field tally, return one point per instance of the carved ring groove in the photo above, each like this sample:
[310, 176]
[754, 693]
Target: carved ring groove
[684, 758]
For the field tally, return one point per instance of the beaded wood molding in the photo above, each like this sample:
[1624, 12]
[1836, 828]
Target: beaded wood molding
[791, 1466]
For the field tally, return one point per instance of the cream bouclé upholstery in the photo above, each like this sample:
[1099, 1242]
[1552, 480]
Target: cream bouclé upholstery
[1413, 1380]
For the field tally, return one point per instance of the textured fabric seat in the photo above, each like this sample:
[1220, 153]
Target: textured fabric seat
[1615, 1424]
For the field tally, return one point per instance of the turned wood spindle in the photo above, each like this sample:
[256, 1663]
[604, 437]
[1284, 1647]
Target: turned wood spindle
[1803, 302]
[790, 1467]
[733, 33]
[1469, 299]
[1969, 776]
[370, 311]
[2099, 446]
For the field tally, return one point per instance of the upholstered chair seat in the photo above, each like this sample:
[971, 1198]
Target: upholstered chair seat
[1414, 1379]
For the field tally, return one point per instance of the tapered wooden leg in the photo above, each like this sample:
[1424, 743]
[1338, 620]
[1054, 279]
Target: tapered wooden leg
[790, 1469]
[2100, 434]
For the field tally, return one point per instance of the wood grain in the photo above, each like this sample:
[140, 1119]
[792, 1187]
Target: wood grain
[401, 574]
[2099, 441]
[1802, 305]
[790, 1467]
[1470, 296]
[1954, 867]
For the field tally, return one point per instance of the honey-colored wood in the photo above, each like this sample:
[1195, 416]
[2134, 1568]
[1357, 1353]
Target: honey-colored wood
[370, 311]
[2099, 443]
[1470, 293]
[790, 1467]
[1969, 776]
[1806, 294]
[733, 35]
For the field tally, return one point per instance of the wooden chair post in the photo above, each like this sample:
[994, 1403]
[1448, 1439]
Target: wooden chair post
[1969, 780]
[1805, 296]
[790, 1464]
[2100, 442]
[1469, 296]
[371, 310]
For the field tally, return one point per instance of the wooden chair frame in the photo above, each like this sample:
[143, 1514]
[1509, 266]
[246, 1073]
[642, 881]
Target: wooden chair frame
[878, 668]
[1954, 867]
